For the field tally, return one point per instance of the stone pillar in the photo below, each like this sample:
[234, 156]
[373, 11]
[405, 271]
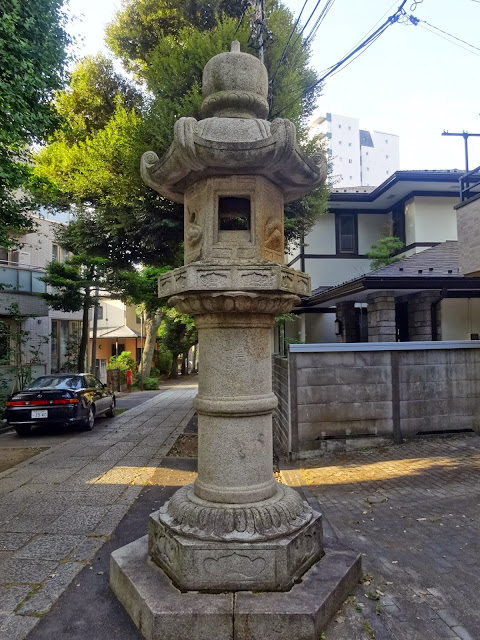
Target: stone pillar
[236, 527]
[420, 316]
[381, 317]
[236, 357]
[347, 315]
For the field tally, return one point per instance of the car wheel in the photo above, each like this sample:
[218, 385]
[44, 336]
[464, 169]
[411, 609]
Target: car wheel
[111, 412]
[88, 423]
[23, 429]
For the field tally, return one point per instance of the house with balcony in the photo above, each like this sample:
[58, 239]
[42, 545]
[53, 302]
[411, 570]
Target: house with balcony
[416, 206]
[48, 334]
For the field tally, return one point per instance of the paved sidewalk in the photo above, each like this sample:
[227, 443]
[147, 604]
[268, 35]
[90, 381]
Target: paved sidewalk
[413, 511]
[60, 507]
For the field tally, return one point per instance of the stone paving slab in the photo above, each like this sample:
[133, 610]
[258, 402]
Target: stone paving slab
[61, 506]
[413, 511]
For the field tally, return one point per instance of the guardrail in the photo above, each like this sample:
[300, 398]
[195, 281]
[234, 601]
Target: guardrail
[468, 182]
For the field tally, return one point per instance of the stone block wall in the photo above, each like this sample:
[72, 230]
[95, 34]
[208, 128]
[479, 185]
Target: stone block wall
[366, 396]
[468, 229]
[381, 317]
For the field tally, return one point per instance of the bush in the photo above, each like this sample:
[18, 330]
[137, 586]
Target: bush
[163, 359]
[149, 384]
[124, 361]
[154, 372]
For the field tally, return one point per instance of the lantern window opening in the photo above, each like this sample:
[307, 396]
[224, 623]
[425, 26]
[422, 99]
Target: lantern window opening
[234, 213]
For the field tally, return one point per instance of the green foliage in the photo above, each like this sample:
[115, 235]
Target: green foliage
[123, 361]
[92, 98]
[150, 384]
[22, 351]
[33, 42]
[72, 283]
[382, 252]
[163, 359]
[177, 334]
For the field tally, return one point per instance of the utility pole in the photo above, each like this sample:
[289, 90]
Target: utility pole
[93, 363]
[259, 33]
[465, 135]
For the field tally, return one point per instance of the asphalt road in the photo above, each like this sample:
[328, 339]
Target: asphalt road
[47, 436]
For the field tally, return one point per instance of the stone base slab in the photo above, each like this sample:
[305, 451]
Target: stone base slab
[200, 564]
[162, 612]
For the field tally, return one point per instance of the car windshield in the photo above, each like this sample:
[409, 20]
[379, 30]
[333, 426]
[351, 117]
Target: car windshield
[56, 382]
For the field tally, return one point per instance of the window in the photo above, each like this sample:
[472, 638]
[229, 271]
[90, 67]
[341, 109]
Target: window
[368, 168]
[4, 342]
[349, 144]
[339, 142]
[339, 126]
[351, 177]
[386, 141]
[387, 172]
[22, 280]
[366, 153]
[59, 254]
[349, 128]
[233, 214]
[386, 157]
[350, 161]
[346, 233]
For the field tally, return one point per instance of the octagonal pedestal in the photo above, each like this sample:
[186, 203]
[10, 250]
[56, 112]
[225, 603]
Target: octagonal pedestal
[195, 564]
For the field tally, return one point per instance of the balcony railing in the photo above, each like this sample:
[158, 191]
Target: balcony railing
[470, 184]
[21, 278]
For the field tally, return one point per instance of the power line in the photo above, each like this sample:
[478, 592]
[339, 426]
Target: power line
[284, 52]
[447, 40]
[376, 34]
[314, 29]
[450, 35]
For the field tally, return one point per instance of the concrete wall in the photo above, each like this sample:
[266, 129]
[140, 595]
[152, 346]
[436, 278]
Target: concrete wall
[355, 395]
[468, 216]
[430, 219]
[460, 317]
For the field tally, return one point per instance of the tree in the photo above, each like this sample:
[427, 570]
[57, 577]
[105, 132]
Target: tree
[92, 161]
[33, 43]
[140, 287]
[73, 283]
[383, 252]
[178, 334]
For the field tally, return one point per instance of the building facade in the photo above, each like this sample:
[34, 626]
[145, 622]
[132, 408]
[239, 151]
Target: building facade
[47, 336]
[358, 157]
[416, 206]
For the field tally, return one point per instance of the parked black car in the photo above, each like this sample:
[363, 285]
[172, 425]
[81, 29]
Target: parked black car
[61, 398]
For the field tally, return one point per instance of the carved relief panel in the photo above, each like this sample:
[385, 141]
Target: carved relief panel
[234, 218]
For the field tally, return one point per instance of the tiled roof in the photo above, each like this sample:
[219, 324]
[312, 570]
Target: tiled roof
[441, 260]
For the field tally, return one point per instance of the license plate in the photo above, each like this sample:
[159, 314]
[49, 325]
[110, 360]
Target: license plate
[40, 413]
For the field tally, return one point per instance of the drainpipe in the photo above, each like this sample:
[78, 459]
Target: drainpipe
[434, 315]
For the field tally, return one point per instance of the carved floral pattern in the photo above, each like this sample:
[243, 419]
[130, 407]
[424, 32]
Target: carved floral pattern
[281, 515]
[230, 301]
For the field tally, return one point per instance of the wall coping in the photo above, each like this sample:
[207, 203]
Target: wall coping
[384, 346]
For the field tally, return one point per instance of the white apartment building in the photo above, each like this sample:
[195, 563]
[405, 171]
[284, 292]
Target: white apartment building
[358, 157]
[49, 331]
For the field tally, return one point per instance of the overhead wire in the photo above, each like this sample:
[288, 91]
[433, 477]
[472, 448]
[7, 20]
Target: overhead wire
[360, 48]
[450, 35]
[285, 48]
[451, 41]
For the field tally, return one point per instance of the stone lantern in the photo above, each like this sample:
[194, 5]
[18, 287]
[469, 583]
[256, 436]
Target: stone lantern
[236, 528]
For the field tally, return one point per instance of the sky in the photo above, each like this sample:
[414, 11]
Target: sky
[410, 82]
